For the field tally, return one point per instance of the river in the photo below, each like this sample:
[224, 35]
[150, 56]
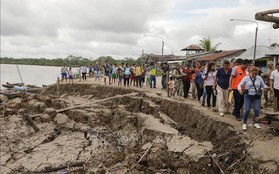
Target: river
[31, 74]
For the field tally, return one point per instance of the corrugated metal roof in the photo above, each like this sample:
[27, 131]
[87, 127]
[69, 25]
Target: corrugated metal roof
[261, 52]
[221, 54]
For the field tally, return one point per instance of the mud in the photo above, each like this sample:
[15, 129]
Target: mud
[111, 136]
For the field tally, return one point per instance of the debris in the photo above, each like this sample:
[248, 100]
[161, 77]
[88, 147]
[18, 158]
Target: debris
[29, 120]
[146, 151]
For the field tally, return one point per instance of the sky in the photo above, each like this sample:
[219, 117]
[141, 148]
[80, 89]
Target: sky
[94, 28]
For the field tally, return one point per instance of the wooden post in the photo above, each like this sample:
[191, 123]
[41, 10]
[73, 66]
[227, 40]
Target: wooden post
[57, 87]
[29, 120]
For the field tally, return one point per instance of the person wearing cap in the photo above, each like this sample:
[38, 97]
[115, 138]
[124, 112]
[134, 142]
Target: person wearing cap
[266, 77]
[237, 74]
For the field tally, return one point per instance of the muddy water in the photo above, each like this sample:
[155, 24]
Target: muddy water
[112, 135]
[31, 74]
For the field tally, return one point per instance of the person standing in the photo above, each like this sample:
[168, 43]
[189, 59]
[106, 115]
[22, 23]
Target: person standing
[193, 85]
[237, 74]
[165, 70]
[64, 71]
[178, 84]
[71, 75]
[127, 73]
[114, 72]
[170, 86]
[221, 83]
[274, 83]
[107, 69]
[186, 79]
[209, 80]
[266, 77]
[97, 72]
[138, 72]
[252, 95]
[199, 83]
[148, 76]
[83, 72]
[153, 73]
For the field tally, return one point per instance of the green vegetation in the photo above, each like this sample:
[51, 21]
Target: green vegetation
[206, 44]
[71, 60]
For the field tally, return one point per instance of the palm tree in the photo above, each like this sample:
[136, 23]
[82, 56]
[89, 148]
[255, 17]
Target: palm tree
[205, 43]
[274, 45]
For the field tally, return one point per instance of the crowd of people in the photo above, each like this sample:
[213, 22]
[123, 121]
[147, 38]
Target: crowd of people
[235, 83]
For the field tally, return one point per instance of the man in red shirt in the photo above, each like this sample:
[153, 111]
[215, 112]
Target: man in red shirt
[186, 79]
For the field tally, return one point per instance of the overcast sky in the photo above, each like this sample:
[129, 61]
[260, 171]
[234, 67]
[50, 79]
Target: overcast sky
[93, 28]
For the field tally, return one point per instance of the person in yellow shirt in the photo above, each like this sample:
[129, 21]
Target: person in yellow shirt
[153, 75]
[138, 72]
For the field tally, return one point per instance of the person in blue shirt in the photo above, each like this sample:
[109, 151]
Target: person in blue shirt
[127, 74]
[253, 85]
[199, 82]
[221, 84]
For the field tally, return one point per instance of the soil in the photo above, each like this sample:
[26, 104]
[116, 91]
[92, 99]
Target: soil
[111, 136]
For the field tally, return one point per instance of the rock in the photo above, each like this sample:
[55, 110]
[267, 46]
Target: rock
[3, 98]
[37, 106]
[45, 118]
[61, 119]
[9, 111]
[51, 112]
[14, 102]
[15, 118]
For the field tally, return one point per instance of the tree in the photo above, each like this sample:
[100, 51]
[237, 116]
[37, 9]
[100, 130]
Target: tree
[274, 45]
[206, 44]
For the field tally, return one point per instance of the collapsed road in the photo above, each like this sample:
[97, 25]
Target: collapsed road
[91, 128]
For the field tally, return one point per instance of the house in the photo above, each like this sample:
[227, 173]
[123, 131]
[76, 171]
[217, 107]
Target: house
[219, 56]
[263, 55]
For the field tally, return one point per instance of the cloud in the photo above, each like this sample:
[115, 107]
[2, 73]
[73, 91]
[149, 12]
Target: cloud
[93, 28]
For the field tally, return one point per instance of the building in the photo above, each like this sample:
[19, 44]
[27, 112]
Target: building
[263, 55]
[220, 56]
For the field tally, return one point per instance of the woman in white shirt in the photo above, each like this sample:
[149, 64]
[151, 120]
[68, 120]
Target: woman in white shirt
[209, 81]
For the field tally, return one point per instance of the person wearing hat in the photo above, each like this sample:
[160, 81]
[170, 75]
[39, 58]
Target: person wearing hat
[266, 78]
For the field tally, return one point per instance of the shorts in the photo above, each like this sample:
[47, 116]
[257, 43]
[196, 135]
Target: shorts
[132, 77]
[70, 77]
[276, 93]
[113, 76]
[64, 75]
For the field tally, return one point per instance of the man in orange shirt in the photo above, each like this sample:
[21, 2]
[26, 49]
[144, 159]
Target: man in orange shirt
[237, 74]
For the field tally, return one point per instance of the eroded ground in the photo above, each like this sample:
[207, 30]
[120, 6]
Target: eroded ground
[114, 128]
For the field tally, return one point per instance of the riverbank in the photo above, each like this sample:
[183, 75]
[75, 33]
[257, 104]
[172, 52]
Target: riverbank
[115, 126]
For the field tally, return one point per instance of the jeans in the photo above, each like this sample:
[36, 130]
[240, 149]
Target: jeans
[186, 87]
[138, 81]
[164, 82]
[153, 79]
[83, 76]
[97, 75]
[248, 101]
[209, 93]
[238, 103]
[200, 91]
[126, 80]
[222, 99]
[204, 95]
